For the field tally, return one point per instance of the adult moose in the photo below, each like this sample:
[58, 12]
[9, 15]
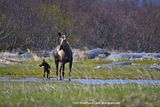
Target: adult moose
[63, 54]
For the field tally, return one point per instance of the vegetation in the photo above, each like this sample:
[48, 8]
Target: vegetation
[68, 94]
[114, 24]
[85, 69]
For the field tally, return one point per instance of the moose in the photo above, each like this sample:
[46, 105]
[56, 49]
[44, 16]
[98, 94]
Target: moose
[47, 68]
[63, 54]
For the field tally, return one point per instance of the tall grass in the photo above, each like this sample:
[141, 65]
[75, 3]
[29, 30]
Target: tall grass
[67, 94]
[85, 69]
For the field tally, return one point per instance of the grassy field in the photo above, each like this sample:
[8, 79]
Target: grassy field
[67, 94]
[86, 69]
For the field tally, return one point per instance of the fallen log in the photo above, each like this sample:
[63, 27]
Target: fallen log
[155, 66]
[13, 60]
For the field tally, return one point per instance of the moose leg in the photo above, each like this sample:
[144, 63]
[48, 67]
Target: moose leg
[70, 69]
[57, 63]
[44, 74]
[48, 72]
[63, 70]
[47, 75]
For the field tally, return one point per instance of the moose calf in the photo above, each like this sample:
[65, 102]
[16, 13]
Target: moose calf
[47, 68]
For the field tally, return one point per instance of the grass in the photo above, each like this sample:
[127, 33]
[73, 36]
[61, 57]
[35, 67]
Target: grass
[85, 69]
[67, 94]
[146, 61]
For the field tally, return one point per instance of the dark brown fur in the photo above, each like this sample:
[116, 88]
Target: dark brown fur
[46, 68]
[63, 54]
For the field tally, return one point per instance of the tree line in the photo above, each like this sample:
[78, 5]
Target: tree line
[113, 24]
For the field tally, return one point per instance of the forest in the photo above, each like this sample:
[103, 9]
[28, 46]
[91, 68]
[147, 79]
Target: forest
[112, 24]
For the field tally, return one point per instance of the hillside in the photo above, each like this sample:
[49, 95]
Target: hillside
[113, 24]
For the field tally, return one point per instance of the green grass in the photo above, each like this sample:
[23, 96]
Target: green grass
[146, 61]
[85, 69]
[66, 94]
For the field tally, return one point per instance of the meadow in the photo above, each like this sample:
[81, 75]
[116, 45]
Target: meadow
[85, 69]
[67, 94]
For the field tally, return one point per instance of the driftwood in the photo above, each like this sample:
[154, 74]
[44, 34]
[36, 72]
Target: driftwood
[155, 66]
[133, 56]
[13, 60]
[96, 52]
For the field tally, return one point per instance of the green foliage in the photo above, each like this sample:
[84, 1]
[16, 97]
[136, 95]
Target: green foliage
[61, 93]
[83, 69]
[139, 61]
[100, 61]
[146, 61]
[47, 94]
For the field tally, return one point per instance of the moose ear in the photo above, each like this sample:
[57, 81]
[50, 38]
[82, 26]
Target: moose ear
[59, 34]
